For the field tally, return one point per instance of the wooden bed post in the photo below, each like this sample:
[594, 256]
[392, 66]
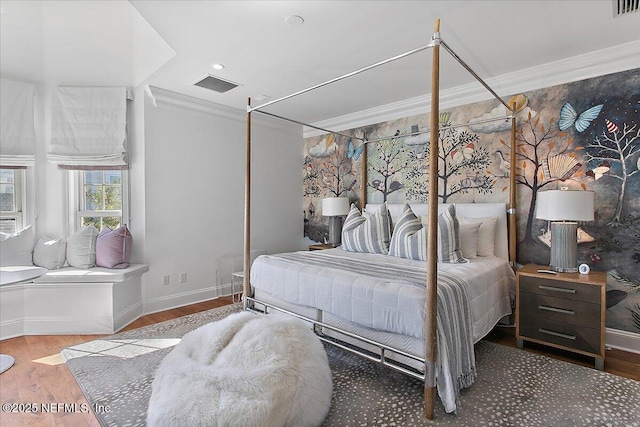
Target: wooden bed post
[512, 192]
[363, 185]
[246, 288]
[430, 327]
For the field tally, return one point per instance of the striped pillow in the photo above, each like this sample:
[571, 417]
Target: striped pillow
[449, 238]
[409, 239]
[370, 234]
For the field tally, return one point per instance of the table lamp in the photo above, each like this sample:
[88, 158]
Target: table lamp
[564, 208]
[335, 208]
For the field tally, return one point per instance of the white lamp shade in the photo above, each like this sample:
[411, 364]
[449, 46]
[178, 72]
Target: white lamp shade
[335, 206]
[559, 205]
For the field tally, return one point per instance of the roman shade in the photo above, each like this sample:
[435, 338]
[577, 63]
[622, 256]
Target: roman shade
[89, 127]
[17, 135]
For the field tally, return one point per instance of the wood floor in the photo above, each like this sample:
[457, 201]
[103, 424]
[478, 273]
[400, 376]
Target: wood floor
[29, 382]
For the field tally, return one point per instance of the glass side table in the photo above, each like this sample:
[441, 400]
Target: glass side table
[237, 279]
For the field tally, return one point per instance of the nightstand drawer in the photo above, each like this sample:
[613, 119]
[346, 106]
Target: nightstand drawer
[563, 334]
[560, 288]
[560, 309]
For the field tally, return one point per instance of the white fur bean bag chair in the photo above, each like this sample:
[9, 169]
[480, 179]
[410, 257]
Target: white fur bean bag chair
[244, 370]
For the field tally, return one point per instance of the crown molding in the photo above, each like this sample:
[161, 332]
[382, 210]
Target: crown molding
[167, 98]
[597, 63]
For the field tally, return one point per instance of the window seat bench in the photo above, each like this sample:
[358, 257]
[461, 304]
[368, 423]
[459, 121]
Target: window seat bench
[72, 301]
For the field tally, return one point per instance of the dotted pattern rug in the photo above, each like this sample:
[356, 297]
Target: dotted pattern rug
[513, 388]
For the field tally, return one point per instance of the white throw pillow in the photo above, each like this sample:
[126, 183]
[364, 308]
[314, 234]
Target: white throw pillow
[469, 239]
[50, 253]
[17, 248]
[81, 248]
[486, 234]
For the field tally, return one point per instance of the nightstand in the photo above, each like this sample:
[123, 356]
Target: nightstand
[320, 246]
[562, 310]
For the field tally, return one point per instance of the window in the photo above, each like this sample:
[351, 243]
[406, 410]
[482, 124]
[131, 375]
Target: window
[11, 200]
[102, 198]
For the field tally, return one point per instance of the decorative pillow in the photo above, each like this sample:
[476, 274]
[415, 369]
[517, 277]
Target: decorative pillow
[113, 248]
[409, 238]
[81, 248]
[372, 234]
[50, 253]
[469, 239]
[449, 237]
[17, 248]
[486, 234]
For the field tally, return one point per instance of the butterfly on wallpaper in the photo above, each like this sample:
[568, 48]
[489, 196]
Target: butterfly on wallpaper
[569, 117]
[464, 153]
[354, 153]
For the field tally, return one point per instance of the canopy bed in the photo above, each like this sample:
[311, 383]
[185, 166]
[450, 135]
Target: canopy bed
[377, 305]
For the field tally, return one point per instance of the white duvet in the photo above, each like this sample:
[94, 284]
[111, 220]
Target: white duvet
[392, 305]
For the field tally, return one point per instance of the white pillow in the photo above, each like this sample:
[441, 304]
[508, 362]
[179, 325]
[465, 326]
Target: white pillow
[81, 248]
[17, 248]
[50, 253]
[469, 239]
[486, 234]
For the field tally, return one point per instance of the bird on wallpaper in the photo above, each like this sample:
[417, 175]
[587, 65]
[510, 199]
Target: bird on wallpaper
[395, 186]
[504, 165]
[597, 172]
[569, 117]
[325, 179]
[377, 184]
[353, 152]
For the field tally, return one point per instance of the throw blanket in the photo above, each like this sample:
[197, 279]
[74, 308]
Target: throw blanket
[455, 336]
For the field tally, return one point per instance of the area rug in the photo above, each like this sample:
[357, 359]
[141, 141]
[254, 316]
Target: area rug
[513, 388]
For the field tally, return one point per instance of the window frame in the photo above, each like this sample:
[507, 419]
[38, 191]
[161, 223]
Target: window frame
[77, 211]
[19, 177]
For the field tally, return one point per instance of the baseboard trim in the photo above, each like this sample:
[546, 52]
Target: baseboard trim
[623, 340]
[128, 316]
[169, 302]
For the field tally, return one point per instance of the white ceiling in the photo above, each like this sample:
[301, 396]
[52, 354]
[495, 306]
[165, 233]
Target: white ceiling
[171, 45]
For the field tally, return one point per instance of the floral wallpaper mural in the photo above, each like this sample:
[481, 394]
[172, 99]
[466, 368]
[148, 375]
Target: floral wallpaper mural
[583, 135]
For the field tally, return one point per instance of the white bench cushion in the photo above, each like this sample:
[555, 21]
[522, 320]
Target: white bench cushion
[92, 275]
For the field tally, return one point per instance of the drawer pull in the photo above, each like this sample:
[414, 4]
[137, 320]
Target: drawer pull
[557, 310]
[557, 334]
[554, 289]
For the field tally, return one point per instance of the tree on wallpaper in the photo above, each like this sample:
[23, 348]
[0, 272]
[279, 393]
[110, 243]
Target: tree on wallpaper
[537, 143]
[617, 147]
[463, 164]
[310, 178]
[387, 166]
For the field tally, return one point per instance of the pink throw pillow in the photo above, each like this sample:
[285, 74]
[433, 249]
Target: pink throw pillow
[113, 248]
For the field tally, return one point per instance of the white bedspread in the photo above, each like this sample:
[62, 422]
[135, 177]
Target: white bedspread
[394, 304]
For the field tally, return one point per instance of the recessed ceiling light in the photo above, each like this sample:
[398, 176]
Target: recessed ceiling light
[294, 20]
[261, 97]
[217, 66]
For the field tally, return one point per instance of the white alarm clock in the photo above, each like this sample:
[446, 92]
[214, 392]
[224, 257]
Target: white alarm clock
[584, 269]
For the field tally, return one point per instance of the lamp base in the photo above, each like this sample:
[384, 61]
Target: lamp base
[564, 247]
[335, 230]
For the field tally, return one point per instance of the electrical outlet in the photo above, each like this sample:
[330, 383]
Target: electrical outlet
[165, 280]
[183, 277]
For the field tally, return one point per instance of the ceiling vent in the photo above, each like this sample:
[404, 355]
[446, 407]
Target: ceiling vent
[625, 7]
[216, 84]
